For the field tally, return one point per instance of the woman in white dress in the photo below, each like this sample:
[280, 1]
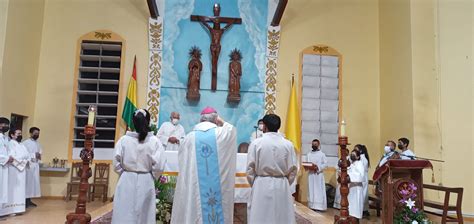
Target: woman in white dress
[364, 157]
[356, 177]
[139, 160]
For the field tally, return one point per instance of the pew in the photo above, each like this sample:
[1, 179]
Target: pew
[445, 207]
[374, 201]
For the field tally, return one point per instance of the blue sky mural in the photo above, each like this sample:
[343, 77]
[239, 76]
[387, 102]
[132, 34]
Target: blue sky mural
[180, 34]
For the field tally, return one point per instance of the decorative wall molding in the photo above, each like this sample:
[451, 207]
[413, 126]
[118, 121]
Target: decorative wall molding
[155, 43]
[271, 58]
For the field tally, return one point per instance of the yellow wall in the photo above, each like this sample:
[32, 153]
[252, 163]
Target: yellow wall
[456, 75]
[396, 103]
[3, 29]
[64, 23]
[24, 22]
[425, 46]
[350, 27]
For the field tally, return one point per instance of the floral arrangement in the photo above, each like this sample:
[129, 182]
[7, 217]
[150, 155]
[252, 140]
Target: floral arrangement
[164, 187]
[409, 213]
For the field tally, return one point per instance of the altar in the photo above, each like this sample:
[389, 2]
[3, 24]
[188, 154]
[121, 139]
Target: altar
[242, 187]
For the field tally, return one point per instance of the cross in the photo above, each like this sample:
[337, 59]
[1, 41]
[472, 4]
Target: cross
[216, 33]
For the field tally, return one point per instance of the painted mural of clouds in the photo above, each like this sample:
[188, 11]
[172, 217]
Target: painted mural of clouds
[175, 11]
[257, 33]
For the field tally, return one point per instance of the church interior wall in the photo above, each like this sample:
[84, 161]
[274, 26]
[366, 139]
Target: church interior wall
[350, 27]
[20, 50]
[396, 80]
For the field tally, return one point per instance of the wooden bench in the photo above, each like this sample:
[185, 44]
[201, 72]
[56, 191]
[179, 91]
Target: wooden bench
[445, 206]
[374, 201]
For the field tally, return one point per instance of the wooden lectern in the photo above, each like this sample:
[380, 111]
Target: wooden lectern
[394, 176]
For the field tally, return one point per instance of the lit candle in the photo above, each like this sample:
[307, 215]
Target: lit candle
[343, 128]
[91, 118]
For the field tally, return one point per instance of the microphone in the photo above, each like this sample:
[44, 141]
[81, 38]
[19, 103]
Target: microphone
[256, 127]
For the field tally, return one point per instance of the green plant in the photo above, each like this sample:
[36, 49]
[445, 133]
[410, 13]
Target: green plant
[409, 213]
[164, 187]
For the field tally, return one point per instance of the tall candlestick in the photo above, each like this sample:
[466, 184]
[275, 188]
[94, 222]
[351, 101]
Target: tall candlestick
[91, 117]
[343, 128]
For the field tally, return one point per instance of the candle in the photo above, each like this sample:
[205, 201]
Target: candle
[91, 118]
[343, 128]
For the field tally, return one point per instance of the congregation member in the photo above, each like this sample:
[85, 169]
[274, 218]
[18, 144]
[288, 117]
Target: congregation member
[364, 157]
[316, 183]
[171, 133]
[406, 153]
[5, 159]
[33, 188]
[356, 175]
[389, 153]
[138, 160]
[271, 169]
[16, 175]
[259, 132]
[207, 162]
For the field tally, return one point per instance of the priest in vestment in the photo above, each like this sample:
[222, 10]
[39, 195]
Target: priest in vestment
[207, 161]
[317, 186]
[16, 175]
[33, 188]
[171, 133]
[271, 169]
[5, 159]
[356, 190]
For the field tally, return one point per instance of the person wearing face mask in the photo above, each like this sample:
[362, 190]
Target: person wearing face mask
[16, 175]
[171, 133]
[389, 153]
[5, 159]
[33, 189]
[406, 154]
[317, 186]
[259, 132]
[356, 175]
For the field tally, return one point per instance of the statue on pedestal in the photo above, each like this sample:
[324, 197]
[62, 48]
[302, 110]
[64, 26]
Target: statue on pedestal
[195, 68]
[235, 72]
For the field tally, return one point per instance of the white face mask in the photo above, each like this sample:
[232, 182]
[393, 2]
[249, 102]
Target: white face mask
[174, 121]
[260, 127]
[387, 149]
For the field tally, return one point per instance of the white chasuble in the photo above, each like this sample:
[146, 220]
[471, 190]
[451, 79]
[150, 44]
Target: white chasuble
[168, 130]
[271, 169]
[33, 188]
[205, 187]
[16, 179]
[137, 163]
[317, 186]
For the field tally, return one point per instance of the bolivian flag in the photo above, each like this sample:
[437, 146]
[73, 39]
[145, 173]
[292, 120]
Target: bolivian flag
[293, 120]
[131, 101]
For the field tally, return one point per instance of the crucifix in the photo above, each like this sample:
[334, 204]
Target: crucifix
[216, 33]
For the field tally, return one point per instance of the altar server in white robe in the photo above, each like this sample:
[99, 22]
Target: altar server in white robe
[271, 168]
[139, 160]
[5, 159]
[356, 177]
[207, 162]
[16, 175]
[33, 188]
[337, 196]
[364, 157]
[171, 133]
[317, 185]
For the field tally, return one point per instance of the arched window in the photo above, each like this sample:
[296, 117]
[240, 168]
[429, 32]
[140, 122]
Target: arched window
[98, 73]
[320, 85]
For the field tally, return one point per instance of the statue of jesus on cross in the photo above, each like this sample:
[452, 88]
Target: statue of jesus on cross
[216, 34]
